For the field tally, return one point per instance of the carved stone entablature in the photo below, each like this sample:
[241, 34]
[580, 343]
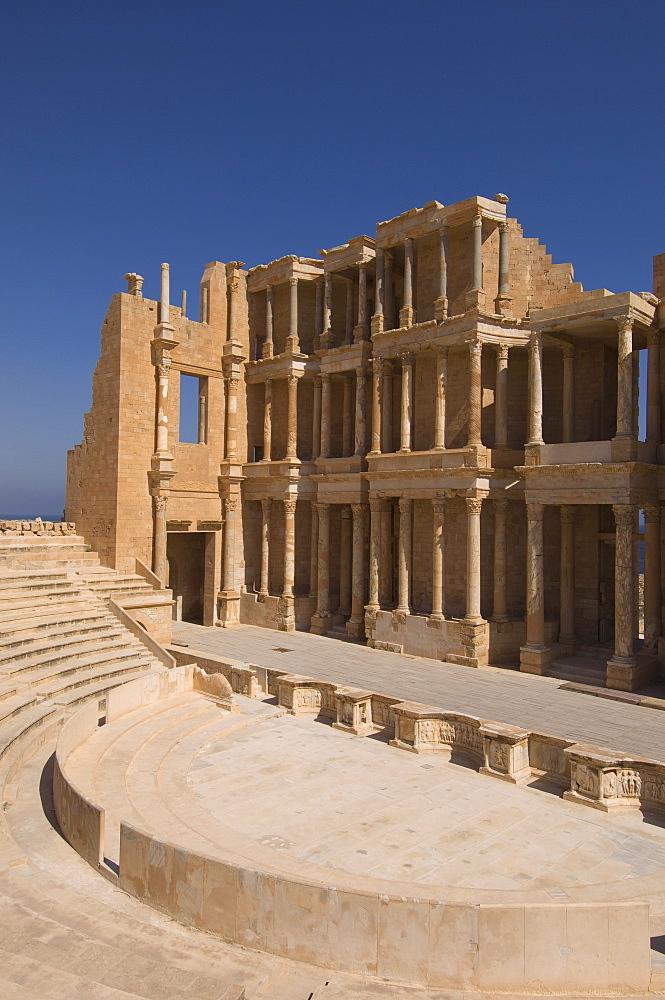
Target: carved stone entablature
[209, 525]
[178, 525]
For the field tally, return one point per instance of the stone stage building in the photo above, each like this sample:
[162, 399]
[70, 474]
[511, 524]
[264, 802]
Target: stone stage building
[427, 438]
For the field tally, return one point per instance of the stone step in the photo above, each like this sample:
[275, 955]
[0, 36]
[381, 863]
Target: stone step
[25, 600]
[101, 679]
[37, 622]
[13, 617]
[340, 633]
[37, 590]
[111, 653]
[20, 575]
[59, 650]
[93, 623]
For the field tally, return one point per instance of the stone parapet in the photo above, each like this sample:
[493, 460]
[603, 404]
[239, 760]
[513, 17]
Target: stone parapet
[37, 527]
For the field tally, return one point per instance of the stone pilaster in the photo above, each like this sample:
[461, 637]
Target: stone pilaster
[347, 415]
[405, 506]
[567, 577]
[387, 406]
[438, 557]
[229, 598]
[622, 667]
[265, 547]
[268, 345]
[500, 613]
[475, 394]
[406, 407]
[356, 624]
[406, 313]
[321, 620]
[501, 398]
[441, 301]
[231, 384]
[440, 402]
[535, 654]
[159, 560]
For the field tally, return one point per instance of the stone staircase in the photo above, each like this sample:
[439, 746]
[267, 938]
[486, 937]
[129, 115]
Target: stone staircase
[587, 665]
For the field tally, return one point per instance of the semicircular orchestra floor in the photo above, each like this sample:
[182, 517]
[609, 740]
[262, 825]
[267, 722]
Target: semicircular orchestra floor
[187, 772]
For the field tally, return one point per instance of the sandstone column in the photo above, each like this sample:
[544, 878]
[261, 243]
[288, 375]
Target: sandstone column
[362, 329]
[404, 554]
[377, 319]
[327, 312]
[313, 552]
[345, 562]
[473, 508]
[360, 411]
[348, 323]
[388, 291]
[503, 299]
[535, 389]
[377, 371]
[231, 416]
[268, 346]
[475, 393]
[292, 418]
[316, 419]
[387, 406]
[386, 580]
[567, 576]
[621, 668]
[568, 423]
[438, 559]
[406, 314]
[625, 379]
[501, 398]
[652, 569]
[162, 433]
[477, 275]
[535, 588]
[321, 620]
[406, 410]
[292, 342]
[318, 308]
[500, 613]
[289, 546]
[265, 546]
[356, 623]
[375, 510]
[441, 301]
[159, 561]
[653, 386]
[347, 421]
[228, 584]
[267, 420]
[440, 405]
[325, 415]
[165, 296]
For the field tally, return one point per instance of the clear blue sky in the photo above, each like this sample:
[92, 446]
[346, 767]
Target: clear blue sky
[143, 132]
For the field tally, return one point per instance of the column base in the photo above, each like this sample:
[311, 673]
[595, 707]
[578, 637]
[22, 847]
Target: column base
[228, 608]
[292, 345]
[440, 308]
[285, 615]
[267, 351]
[475, 299]
[407, 317]
[360, 333]
[356, 629]
[474, 636]
[371, 611]
[624, 449]
[377, 323]
[319, 624]
[535, 659]
[503, 305]
[623, 673]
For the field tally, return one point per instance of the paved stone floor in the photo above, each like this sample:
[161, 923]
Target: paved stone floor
[536, 703]
[357, 804]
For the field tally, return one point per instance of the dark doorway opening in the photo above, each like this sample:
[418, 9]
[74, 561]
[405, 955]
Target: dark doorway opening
[186, 557]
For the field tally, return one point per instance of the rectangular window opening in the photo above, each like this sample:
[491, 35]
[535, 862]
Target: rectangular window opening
[193, 426]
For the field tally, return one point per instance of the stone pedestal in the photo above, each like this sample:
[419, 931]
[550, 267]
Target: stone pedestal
[506, 753]
[354, 711]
